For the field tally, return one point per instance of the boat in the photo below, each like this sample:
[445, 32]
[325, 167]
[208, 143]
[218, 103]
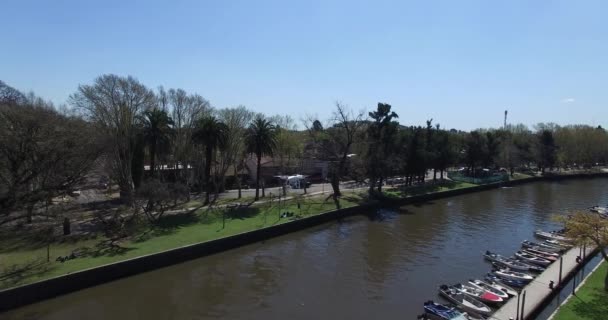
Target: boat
[484, 286]
[540, 255]
[509, 282]
[598, 209]
[542, 246]
[481, 295]
[504, 262]
[514, 275]
[434, 310]
[532, 259]
[465, 302]
[496, 284]
[549, 235]
[558, 243]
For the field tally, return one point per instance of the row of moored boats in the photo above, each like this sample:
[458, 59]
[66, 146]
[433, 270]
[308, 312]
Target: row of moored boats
[477, 298]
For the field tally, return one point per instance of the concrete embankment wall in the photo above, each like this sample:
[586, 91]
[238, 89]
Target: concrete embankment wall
[45, 289]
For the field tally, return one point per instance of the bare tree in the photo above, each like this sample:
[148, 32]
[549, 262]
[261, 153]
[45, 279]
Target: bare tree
[335, 142]
[114, 104]
[233, 153]
[185, 110]
[42, 155]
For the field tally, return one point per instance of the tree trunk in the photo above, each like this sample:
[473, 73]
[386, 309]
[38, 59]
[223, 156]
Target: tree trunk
[434, 174]
[238, 181]
[380, 181]
[208, 154]
[30, 213]
[152, 158]
[257, 180]
[441, 174]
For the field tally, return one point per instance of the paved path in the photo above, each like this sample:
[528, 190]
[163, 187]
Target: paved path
[538, 289]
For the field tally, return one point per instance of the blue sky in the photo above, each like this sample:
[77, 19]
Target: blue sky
[461, 63]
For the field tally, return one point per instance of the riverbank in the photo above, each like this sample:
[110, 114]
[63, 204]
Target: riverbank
[185, 233]
[590, 301]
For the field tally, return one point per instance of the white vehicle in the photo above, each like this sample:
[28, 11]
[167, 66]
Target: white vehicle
[297, 181]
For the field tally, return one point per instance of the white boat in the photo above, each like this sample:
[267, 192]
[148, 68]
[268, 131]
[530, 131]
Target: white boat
[540, 255]
[513, 275]
[500, 286]
[484, 286]
[541, 246]
[532, 258]
[550, 236]
[479, 294]
[513, 264]
[465, 302]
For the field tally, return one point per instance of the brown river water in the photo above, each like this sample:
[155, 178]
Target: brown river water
[380, 265]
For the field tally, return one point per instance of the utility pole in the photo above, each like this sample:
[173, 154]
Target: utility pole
[505, 123]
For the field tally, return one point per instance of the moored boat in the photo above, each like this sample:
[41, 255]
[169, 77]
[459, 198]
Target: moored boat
[541, 246]
[532, 258]
[509, 282]
[540, 255]
[497, 284]
[438, 311]
[484, 286]
[504, 262]
[550, 235]
[481, 295]
[465, 302]
[514, 275]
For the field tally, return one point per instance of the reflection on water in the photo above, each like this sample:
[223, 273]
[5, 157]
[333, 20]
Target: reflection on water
[382, 265]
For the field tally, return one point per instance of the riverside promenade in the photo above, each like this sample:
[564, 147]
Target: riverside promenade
[538, 290]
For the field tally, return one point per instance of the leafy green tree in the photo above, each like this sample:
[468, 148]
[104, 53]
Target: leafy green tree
[547, 150]
[261, 139]
[476, 151]
[381, 134]
[212, 134]
[157, 131]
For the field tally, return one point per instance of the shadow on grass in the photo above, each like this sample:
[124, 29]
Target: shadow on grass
[406, 191]
[15, 274]
[108, 248]
[594, 309]
[22, 240]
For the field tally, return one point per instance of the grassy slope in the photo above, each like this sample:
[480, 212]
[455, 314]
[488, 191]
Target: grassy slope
[590, 302]
[23, 260]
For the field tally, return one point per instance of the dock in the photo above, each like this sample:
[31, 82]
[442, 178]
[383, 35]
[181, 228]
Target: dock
[538, 291]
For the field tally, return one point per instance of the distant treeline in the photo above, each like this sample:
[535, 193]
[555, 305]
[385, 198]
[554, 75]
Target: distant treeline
[117, 125]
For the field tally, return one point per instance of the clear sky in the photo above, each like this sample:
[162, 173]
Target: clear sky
[461, 63]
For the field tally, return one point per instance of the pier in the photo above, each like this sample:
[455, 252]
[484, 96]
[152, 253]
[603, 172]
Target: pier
[533, 296]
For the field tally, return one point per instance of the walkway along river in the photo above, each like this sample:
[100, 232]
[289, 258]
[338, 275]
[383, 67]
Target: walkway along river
[384, 265]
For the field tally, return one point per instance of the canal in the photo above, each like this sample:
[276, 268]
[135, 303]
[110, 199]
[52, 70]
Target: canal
[382, 265]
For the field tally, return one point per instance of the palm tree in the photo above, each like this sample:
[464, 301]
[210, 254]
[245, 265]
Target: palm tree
[261, 139]
[211, 133]
[157, 129]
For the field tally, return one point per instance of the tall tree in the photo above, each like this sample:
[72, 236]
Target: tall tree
[212, 134]
[260, 140]
[114, 104]
[381, 133]
[157, 131]
[547, 150]
[336, 141]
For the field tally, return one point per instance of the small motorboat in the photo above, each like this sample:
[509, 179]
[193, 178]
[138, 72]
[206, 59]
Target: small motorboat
[549, 236]
[484, 286]
[504, 262]
[465, 302]
[509, 282]
[496, 284]
[598, 209]
[540, 255]
[532, 258]
[479, 294]
[434, 310]
[514, 275]
[543, 253]
[542, 246]
[558, 243]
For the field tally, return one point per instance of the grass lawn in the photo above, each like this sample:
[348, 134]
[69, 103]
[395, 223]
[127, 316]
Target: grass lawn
[23, 256]
[590, 302]
[446, 185]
